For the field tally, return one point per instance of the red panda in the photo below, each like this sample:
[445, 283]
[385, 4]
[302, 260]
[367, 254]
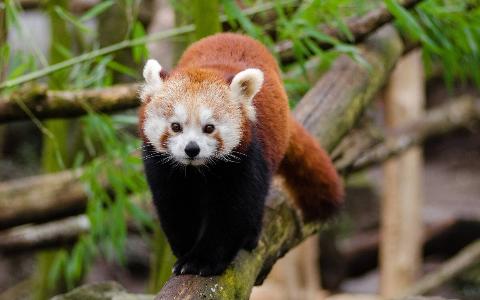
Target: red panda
[215, 131]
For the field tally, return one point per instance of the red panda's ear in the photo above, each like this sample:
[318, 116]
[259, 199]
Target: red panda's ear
[244, 86]
[247, 83]
[152, 72]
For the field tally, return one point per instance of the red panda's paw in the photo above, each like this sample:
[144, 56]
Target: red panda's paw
[195, 266]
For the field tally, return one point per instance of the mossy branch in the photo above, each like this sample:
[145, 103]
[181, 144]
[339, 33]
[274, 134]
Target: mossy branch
[44, 103]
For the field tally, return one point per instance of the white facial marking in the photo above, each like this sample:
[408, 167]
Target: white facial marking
[154, 126]
[180, 113]
[205, 115]
[215, 103]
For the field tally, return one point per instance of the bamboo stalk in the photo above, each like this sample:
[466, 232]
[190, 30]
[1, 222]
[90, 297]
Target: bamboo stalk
[55, 153]
[206, 17]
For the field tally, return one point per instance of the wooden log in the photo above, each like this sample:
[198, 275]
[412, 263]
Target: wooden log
[48, 234]
[368, 147]
[441, 240]
[400, 246]
[347, 87]
[44, 103]
[40, 198]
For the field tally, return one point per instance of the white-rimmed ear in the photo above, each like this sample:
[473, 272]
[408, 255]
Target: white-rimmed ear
[151, 72]
[245, 85]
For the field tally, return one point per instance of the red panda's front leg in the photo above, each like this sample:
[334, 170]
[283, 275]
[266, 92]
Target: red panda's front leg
[233, 216]
[220, 241]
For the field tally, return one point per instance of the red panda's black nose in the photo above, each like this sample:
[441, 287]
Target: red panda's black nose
[192, 149]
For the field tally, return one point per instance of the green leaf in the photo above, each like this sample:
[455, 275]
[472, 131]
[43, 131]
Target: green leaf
[64, 51]
[57, 268]
[68, 17]
[116, 66]
[140, 52]
[234, 12]
[96, 10]
[410, 24]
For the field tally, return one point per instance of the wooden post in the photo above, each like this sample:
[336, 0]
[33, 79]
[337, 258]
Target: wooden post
[400, 248]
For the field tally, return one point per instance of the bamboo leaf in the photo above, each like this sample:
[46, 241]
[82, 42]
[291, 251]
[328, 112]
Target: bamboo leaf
[68, 17]
[139, 52]
[96, 10]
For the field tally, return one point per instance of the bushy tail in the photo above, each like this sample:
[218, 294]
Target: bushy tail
[310, 175]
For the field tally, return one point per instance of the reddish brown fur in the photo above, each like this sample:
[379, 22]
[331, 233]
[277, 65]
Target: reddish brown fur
[227, 54]
[310, 175]
[288, 148]
[219, 142]
[164, 139]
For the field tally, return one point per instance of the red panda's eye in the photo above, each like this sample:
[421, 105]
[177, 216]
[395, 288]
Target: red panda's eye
[176, 127]
[209, 128]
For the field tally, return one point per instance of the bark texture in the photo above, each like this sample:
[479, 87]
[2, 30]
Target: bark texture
[44, 103]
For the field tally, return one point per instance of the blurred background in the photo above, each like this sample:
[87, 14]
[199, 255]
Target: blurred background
[74, 205]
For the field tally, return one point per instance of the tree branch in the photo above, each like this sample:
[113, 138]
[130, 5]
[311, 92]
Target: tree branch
[40, 198]
[44, 235]
[66, 104]
[457, 113]
[448, 270]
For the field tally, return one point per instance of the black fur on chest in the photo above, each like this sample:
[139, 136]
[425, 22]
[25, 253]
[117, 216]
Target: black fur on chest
[209, 213]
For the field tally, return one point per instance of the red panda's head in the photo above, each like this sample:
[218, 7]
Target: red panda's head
[194, 115]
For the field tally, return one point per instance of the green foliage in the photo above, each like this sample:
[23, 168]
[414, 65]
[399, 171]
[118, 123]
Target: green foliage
[206, 17]
[118, 166]
[111, 150]
[139, 52]
[449, 32]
